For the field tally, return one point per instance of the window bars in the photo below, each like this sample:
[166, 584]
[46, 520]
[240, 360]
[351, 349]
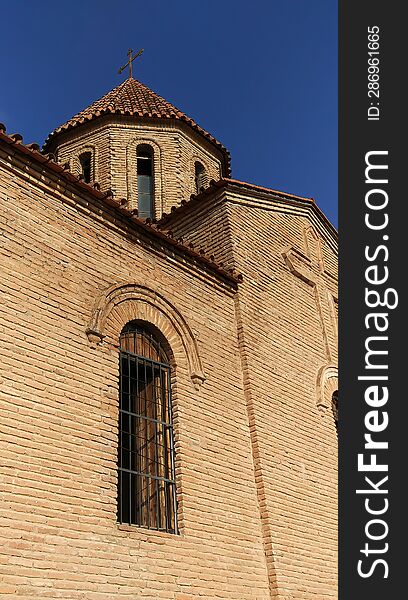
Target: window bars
[146, 474]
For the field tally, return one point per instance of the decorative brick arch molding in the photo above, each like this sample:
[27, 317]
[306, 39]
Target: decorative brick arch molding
[327, 383]
[128, 302]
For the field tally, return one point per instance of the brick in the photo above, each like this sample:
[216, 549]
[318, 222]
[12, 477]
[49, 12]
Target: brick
[255, 442]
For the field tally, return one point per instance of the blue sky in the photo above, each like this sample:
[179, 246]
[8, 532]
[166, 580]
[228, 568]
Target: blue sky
[261, 76]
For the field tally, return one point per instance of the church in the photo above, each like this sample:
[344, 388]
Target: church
[168, 379]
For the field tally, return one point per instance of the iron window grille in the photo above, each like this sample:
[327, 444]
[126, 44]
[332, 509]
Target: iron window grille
[146, 473]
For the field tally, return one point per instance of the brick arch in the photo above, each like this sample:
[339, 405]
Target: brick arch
[128, 302]
[193, 160]
[131, 172]
[327, 383]
[75, 165]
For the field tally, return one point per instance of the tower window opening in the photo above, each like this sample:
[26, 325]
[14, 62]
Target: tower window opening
[146, 472]
[199, 177]
[145, 182]
[85, 160]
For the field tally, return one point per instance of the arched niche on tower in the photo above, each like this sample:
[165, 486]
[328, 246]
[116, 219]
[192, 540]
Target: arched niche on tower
[196, 161]
[75, 162]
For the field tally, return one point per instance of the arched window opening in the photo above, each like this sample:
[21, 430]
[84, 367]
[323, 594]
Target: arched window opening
[199, 177]
[335, 408]
[85, 160]
[146, 474]
[145, 181]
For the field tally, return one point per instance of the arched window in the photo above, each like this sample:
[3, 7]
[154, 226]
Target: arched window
[335, 408]
[85, 160]
[145, 181]
[146, 476]
[199, 176]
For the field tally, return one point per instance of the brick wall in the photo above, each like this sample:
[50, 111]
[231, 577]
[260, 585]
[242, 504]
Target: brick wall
[288, 338]
[256, 443]
[59, 252]
[175, 147]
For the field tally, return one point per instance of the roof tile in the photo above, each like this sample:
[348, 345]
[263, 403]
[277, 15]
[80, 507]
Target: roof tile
[133, 98]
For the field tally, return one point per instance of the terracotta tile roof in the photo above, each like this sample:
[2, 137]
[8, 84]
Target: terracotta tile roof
[196, 254]
[133, 98]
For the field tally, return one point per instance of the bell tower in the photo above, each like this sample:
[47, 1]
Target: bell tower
[140, 146]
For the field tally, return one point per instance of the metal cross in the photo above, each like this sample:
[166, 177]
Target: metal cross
[129, 62]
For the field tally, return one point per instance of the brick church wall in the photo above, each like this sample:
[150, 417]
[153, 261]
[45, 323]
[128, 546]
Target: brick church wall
[60, 250]
[207, 225]
[288, 337]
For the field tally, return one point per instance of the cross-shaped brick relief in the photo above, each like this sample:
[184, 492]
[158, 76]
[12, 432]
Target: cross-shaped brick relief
[309, 266]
